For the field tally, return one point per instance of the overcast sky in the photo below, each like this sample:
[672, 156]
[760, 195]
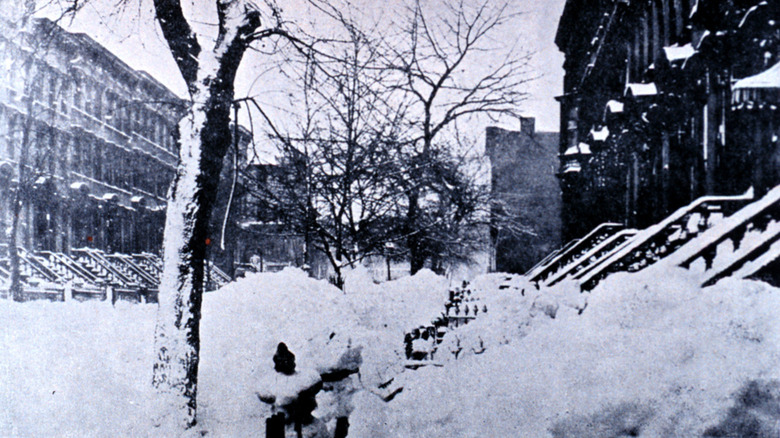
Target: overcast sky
[138, 42]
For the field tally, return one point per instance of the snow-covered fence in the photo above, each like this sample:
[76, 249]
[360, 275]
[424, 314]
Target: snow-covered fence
[91, 274]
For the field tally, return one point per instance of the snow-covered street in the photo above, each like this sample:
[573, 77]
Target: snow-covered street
[651, 354]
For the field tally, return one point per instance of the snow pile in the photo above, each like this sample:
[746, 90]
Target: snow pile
[645, 358]
[84, 369]
[75, 369]
[386, 311]
[648, 354]
[512, 307]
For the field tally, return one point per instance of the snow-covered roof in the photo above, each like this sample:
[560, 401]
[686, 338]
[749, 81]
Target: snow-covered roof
[110, 197]
[678, 53]
[584, 148]
[136, 199]
[615, 106]
[769, 78]
[599, 134]
[637, 89]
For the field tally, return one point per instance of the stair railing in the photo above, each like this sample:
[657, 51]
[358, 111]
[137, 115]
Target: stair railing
[575, 251]
[662, 239]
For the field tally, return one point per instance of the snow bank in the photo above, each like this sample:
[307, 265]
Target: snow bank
[647, 354]
[75, 369]
[651, 355]
[84, 369]
[386, 311]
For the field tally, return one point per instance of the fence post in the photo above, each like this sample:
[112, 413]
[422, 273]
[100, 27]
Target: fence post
[110, 295]
[68, 292]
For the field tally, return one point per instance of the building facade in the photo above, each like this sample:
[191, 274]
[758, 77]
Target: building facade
[665, 101]
[528, 203]
[85, 140]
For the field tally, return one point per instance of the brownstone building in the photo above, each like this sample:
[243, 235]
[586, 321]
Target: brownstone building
[88, 140]
[665, 101]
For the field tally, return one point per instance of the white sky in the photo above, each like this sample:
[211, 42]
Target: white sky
[139, 43]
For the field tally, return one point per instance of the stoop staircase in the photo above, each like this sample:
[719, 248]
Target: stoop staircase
[572, 252]
[715, 237]
[658, 241]
[743, 245]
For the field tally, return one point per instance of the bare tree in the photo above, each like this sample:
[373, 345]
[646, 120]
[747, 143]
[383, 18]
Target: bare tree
[209, 72]
[334, 181]
[432, 60]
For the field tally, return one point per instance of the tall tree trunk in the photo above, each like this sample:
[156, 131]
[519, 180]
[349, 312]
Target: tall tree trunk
[204, 137]
[16, 287]
[204, 134]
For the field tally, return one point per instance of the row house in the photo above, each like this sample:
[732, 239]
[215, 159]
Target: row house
[87, 141]
[665, 101]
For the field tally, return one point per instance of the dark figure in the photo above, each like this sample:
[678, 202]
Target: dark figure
[484, 309]
[408, 345]
[466, 311]
[342, 427]
[476, 309]
[284, 360]
[274, 426]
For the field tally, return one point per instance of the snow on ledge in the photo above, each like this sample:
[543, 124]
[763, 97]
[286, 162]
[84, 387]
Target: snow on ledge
[637, 89]
[678, 53]
[769, 78]
[615, 106]
[573, 150]
[580, 149]
[599, 134]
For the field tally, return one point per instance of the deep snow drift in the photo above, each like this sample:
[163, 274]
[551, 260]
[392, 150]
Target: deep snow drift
[646, 354]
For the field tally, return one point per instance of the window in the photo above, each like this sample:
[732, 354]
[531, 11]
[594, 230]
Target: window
[64, 90]
[645, 44]
[77, 93]
[51, 98]
[11, 136]
[98, 105]
[88, 98]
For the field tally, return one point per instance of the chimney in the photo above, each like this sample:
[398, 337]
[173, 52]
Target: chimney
[527, 126]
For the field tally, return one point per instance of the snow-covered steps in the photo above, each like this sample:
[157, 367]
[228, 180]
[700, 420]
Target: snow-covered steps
[91, 274]
[421, 343]
[574, 252]
[658, 241]
[740, 245]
